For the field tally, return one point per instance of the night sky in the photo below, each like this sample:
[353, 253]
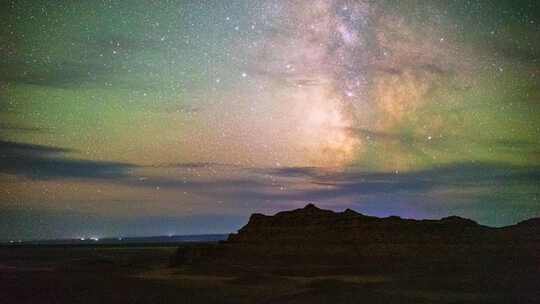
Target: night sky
[184, 117]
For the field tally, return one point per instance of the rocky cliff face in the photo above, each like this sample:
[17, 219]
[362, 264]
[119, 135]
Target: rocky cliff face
[311, 237]
[313, 225]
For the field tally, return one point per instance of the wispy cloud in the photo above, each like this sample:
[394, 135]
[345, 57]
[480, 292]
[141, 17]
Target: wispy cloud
[44, 162]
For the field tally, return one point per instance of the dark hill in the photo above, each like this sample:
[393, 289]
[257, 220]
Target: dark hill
[312, 238]
[314, 225]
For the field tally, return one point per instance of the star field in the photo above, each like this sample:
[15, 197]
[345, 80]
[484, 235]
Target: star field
[184, 117]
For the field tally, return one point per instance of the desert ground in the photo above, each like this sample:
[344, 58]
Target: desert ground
[129, 274]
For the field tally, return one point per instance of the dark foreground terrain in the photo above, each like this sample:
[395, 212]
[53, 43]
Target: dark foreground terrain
[306, 255]
[142, 275]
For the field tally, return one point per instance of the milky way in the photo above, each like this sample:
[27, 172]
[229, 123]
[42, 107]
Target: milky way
[337, 69]
[165, 117]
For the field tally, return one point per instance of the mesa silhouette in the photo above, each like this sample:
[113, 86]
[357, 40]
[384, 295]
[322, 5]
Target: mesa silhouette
[316, 240]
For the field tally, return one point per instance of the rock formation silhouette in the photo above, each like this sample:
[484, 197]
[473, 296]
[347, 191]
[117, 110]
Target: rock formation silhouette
[310, 238]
